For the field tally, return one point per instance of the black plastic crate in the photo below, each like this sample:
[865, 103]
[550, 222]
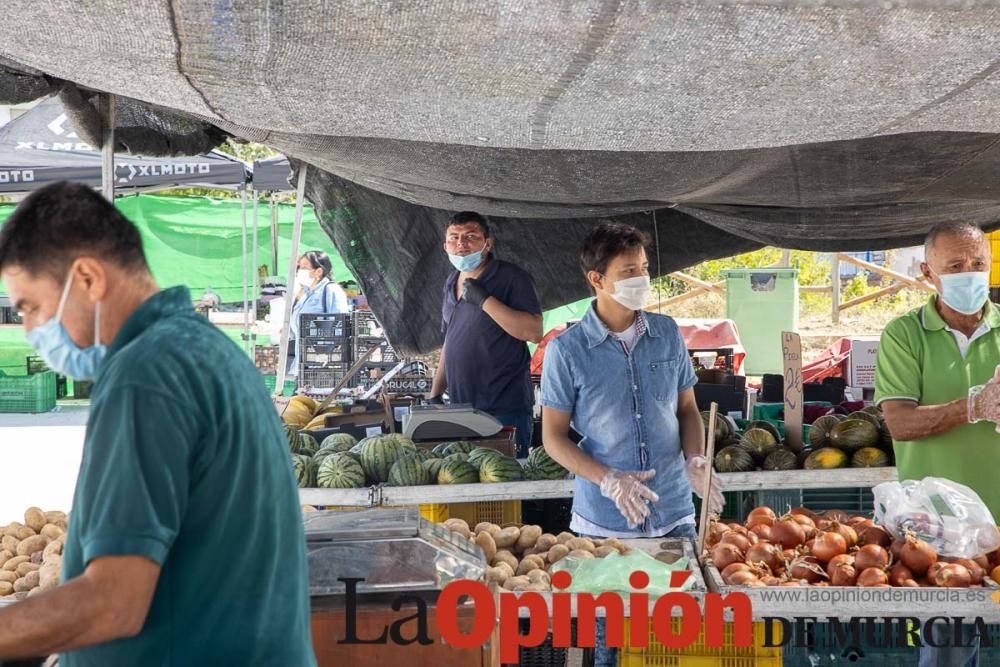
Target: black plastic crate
[366, 325]
[383, 355]
[723, 358]
[325, 377]
[553, 516]
[325, 326]
[369, 374]
[542, 656]
[315, 352]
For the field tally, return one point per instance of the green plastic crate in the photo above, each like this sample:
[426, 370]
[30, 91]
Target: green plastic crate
[28, 393]
[271, 380]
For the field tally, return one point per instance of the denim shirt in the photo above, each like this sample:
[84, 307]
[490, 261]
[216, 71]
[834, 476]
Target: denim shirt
[625, 407]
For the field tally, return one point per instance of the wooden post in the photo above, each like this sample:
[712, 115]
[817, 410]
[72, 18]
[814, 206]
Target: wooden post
[707, 492]
[255, 289]
[246, 276]
[786, 258]
[107, 113]
[835, 277]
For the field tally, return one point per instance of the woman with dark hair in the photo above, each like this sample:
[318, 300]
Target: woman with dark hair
[315, 293]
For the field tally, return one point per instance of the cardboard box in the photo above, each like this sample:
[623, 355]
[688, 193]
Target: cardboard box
[861, 365]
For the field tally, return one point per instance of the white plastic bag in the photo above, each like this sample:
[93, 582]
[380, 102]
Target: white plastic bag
[945, 514]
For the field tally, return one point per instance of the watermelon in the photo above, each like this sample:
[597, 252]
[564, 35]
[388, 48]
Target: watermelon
[851, 435]
[433, 467]
[404, 441]
[457, 472]
[460, 447]
[480, 454]
[305, 470]
[544, 466]
[292, 436]
[500, 469]
[340, 471]
[308, 442]
[458, 456]
[424, 454]
[378, 453]
[338, 442]
[439, 448]
[409, 471]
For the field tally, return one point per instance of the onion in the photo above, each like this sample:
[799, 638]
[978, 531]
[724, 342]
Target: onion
[838, 561]
[716, 531]
[917, 555]
[790, 583]
[762, 531]
[856, 522]
[802, 520]
[983, 562]
[952, 575]
[899, 575]
[741, 542]
[995, 574]
[770, 581]
[766, 553]
[788, 555]
[873, 535]
[909, 583]
[896, 549]
[806, 568]
[845, 531]
[761, 515]
[823, 525]
[788, 533]
[843, 575]
[804, 512]
[724, 555]
[742, 578]
[839, 516]
[976, 572]
[734, 567]
[828, 546]
[873, 577]
[872, 555]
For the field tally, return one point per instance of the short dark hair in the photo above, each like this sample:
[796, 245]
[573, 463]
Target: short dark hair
[950, 229]
[607, 241]
[319, 260]
[59, 222]
[466, 217]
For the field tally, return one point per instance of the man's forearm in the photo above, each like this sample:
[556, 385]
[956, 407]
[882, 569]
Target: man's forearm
[569, 456]
[440, 382]
[908, 421]
[519, 324]
[692, 433]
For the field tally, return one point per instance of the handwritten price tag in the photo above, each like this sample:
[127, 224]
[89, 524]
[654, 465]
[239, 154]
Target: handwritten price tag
[791, 348]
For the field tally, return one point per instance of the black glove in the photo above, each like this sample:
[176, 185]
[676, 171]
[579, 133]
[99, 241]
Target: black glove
[475, 293]
[434, 400]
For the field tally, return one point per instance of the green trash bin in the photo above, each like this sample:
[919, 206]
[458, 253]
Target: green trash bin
[762, 303]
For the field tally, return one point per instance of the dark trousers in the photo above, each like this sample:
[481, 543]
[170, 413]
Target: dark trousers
[522, 421]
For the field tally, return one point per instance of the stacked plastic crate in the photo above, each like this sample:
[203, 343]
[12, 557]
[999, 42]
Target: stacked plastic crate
[325, 351]
[368, 334]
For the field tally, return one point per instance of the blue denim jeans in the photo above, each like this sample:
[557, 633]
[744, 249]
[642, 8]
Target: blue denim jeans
[608, 657]
[522, 421]
[951, 656]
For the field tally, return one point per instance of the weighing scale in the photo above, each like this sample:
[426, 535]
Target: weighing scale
[449, 422]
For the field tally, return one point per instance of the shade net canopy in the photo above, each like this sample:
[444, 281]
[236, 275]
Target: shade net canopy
[718, 127]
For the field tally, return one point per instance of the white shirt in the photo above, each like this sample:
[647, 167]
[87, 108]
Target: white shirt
[629, 336]
[581, 526]
[963, 341]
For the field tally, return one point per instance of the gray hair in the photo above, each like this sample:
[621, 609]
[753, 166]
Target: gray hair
[950, 229]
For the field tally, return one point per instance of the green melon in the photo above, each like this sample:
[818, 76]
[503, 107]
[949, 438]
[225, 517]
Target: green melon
[433, 466]
[767, 426]
[759, 443]
[338, 442]
[340, 471]
[724, 426]
[292, 436]
[305, 470]
[819, 432]
[544, 466]
[735, 458]
[308, 442]
[457, 472]
[869, 457]
[409, 471]
[827, 458]
[480, 454]
[781, 459]
[500, 469]
[866, 416]
[851, 435]
[885, 438]
[378, 453]
[459, 447]
[873, 410]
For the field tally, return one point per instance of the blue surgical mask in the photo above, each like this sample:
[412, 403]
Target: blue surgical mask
[63, 356]
[467, 263]
[965, 293]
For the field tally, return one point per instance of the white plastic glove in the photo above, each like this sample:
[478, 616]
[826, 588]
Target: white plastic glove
[984, 401]
[629, 494]
[697, 468]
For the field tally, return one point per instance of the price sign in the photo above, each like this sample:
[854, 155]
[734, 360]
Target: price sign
[791, 348]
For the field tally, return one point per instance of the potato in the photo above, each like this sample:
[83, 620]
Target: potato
[24, 568]
[546, 541]
[9, 577]
[52, 517]
[21, 595]
[526, 566]
[487, 527]
[12, 564]
[506, 567]
[62, 523]
[580, 553]
[605, 550]
[9, 543]
[22, 585]
[53, 532]
[53, 559]
[12, 528]
[580, 544]
[614, 542]
[536, 576]
[535, 587]
[564, 537]
[25, 533]
[514, 582]
[54, 547]
[458, 526]
[557, 553]
[38, 590]
[31, 545]
[48, 575]
[507, 537]
[34, 518]
[6, 588]
[497, 575]
[5, 556]
[486, 543]
[504, 556]
[31, 579]
[529, 535]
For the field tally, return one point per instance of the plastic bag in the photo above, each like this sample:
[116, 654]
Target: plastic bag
[947, 515]
[611, 573]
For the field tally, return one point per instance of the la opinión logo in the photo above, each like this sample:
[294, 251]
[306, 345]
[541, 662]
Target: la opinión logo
[487, 616]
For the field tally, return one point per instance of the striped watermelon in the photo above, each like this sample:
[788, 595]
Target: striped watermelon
[457, 472]
[460, 447]
[409, 471]
[339, 442]
[439, 449]
[308, 442]
[500, 469]
[424, 454]
[292, 436]
[378, 453]
[433, 466]
[458, 456]
[305, 470]
[340, 471]
[544, 466]
[480, 454]
[405, 441]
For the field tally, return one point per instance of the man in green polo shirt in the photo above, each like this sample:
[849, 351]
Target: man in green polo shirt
[934, 380]
[185, 542]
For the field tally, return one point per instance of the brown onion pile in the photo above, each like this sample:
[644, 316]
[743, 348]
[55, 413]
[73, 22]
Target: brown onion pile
[804, 548]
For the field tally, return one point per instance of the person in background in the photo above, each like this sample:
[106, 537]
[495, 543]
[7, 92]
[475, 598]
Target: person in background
[936, 382]
[315, 294]
[489, 312]
[623, 379]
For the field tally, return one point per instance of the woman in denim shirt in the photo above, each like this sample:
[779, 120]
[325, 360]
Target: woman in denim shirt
[622, 378]
[315, 294]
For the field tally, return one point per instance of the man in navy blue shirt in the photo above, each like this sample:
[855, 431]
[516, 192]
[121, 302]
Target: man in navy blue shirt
[490, 311]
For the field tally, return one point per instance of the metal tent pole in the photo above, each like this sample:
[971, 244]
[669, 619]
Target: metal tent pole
[300, 200]
[274, 235]
[107, 113]
[254, 280]
[246, 295]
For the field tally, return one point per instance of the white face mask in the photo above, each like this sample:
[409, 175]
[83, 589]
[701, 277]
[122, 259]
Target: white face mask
[633, 293]
[303, 278]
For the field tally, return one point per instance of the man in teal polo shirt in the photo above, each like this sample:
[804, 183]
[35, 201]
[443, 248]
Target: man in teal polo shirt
[934, 380]
[185, 542]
